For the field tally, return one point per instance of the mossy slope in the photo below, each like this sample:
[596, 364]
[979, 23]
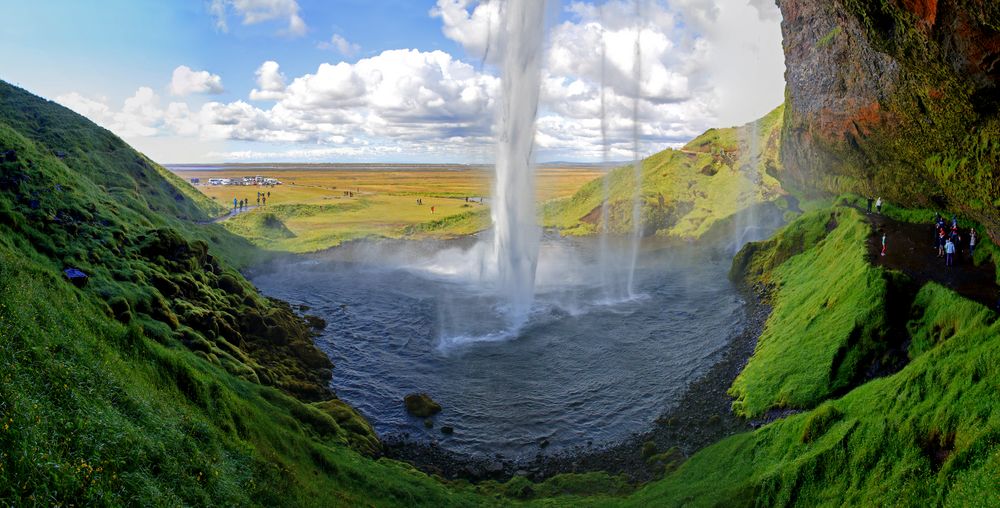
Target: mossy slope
[822, 328]
[926, 435]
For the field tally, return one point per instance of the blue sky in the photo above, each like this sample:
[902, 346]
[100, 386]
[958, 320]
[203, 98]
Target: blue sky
[360, 97]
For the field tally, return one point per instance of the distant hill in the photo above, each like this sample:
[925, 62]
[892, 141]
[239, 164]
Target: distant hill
[684, 192]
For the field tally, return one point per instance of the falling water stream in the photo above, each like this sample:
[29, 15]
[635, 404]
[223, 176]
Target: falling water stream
[516, 233]
[593, 362]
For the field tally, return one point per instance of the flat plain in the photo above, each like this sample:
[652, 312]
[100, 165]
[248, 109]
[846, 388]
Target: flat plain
[318, 206]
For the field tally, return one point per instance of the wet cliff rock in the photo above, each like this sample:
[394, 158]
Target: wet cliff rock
[897, 98]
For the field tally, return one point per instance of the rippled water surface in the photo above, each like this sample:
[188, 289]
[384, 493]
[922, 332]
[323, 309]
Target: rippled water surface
[592, 364]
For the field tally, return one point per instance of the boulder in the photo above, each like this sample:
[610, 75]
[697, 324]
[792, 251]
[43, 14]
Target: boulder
[421, 405]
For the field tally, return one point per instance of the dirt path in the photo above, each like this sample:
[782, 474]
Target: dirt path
[230, 215]
[911, 250]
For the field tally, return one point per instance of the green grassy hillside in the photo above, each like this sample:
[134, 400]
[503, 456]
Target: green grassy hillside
[684, 192]
[926, 435]
[166, 379]
[822, 329]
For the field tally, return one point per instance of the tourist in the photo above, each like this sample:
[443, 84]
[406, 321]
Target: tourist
[955, 238]
[263, 200]
[870, 200]
[883, 242]
[878, 205]
[234, 203]
[954, 222]
[432, 209]
[972, 242]
[268, 193]
[949, 249]
[941, 242]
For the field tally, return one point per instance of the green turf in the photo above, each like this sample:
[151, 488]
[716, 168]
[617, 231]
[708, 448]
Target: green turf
[926, 436]
[822, 327]
[168, 380]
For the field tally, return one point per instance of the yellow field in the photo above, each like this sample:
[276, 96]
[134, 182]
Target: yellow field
[311, 210]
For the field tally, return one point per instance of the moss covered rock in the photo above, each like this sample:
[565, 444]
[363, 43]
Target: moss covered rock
[421, 405]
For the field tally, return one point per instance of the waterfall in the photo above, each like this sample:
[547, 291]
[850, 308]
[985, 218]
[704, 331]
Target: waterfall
[605, 259]
[636, 235]
[515, 227]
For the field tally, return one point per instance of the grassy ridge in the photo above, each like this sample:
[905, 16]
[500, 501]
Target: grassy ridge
[95, 412]
[927, 435]
[684, 192]
[167, 380]
[822, 328]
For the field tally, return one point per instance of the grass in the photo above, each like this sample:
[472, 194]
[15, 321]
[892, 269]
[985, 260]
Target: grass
[684, 192]
[314, 213]
[821, 328]
[928, 435]
[95, 412]
[168, 380]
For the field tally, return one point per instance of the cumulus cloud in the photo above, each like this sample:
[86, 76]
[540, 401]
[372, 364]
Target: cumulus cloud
[678, 66]
[477, 30]
[270, 82]
[259, 11]
[767, 10]
[425, 101]
[699, 64]
[186, 82]
[140, 114]
[341, 45]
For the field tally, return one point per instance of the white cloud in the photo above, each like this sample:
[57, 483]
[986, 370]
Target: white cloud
[767, 10]
[701, 64]
[186, 82]
[259, 11]
[341, 45]
[478, 30]
[270, 82]
[140, 115]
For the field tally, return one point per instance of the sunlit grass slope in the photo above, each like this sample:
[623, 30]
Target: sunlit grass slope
[822, 328]
[166, 379]
[684, 192]
[928, 435]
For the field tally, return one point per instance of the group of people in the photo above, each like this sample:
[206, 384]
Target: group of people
[240, 205]
[420, 201]
[878, 204]
[948, 241]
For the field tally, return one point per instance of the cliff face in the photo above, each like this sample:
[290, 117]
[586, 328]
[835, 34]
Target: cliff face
[897, 98]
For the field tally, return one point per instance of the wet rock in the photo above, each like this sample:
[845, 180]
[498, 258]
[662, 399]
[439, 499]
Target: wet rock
[428, 423]
[544, 443]
[315, 322]
[648, 449]
[447, 430]
[421, 405]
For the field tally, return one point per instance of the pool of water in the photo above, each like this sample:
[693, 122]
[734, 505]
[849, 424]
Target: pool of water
[593, 364]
